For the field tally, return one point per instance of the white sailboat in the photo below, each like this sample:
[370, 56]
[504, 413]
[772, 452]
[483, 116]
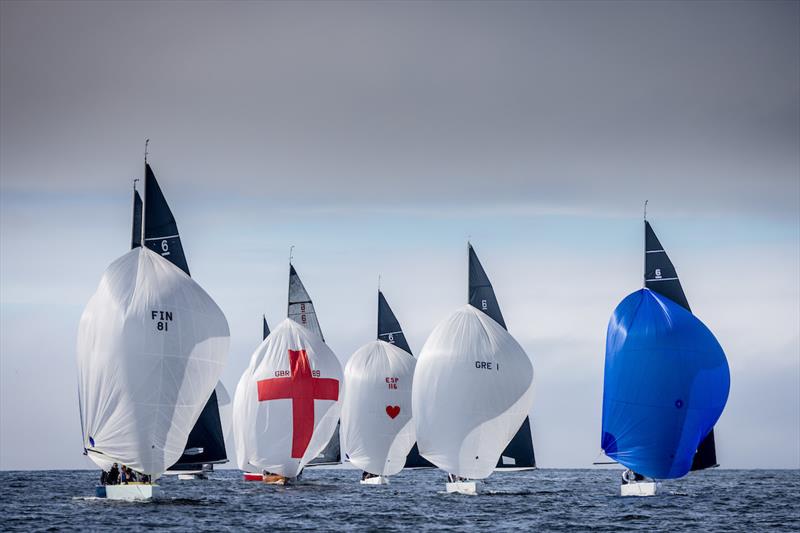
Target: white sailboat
[377, 430]
[286, 405]
[151, 347]
[472, 391]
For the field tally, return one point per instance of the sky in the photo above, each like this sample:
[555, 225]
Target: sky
[377, 138]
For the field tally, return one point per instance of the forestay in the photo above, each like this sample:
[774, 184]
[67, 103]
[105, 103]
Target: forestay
[666, 384]
[377, 431]
[151, 347]
[286, 405]
[473, 387]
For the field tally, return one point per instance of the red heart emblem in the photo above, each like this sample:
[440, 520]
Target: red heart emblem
[392, 410]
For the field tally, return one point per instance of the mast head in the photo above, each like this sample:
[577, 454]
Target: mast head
[146, 142]
[645, 209]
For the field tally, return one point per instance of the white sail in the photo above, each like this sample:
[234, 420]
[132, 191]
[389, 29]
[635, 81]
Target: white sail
[377, 431]
[151, 347]
[473, 388]
[286, 404]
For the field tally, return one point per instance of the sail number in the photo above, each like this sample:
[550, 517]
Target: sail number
[392, 382]
[487, 365]
[164, 248]
[162, 319]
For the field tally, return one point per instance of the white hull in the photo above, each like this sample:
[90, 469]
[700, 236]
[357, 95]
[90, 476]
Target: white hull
[639, 488]
[131, 492]
[377, 480]
[463, 487]
[192, 475]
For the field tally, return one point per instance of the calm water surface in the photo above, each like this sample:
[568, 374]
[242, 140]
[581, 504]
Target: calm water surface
[544, 500]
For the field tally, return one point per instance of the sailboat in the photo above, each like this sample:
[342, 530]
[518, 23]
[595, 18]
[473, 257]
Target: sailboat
[151, 347]
[389, 330]
[472, 390]
[206, 444]
[300, 308]
[377, 430]
[666, 381]
[292, 383]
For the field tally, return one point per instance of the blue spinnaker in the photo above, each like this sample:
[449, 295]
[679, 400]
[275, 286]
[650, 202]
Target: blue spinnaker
[666, 384]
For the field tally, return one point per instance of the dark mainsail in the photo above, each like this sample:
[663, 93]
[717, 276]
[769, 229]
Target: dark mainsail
[519, 452]
[160, 229]
[389, 330]
[301, 310]
[264, 328]
[206, 443]
[659, 273]
[481, 292]
[136, 236]
[660, 276]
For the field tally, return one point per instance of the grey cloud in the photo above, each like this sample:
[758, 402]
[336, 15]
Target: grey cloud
[573, 105]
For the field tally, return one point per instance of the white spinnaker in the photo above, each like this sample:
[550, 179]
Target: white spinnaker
[377, 431]
[264, 430]
[473, 388]
[151, 347]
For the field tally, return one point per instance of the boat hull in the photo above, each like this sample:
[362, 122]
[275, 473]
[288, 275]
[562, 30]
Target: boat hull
[639, 488]
[130, 492]
[470, 488]
[192, 475]
[377, 480]
[252, 477]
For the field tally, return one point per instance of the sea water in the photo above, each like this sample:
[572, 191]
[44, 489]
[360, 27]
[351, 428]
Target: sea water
[333, 500]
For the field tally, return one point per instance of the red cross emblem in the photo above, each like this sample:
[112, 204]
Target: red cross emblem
[302, 388]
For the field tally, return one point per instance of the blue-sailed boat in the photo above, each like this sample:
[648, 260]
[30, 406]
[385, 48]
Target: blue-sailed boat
[666, 378]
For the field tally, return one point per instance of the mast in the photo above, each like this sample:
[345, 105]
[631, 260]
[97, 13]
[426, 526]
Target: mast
[660, 276]
[519, 452]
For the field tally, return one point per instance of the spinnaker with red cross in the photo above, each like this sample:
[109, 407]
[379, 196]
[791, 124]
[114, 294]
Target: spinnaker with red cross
[287, 405]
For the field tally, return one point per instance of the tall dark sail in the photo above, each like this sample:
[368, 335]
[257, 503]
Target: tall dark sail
[301, 310]
[264, 328]
[659, 273]
[206, 443]
[160, 229]
[660, 276]
[481, 292]
[389, 329]
[519, 452]
[136, 236]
